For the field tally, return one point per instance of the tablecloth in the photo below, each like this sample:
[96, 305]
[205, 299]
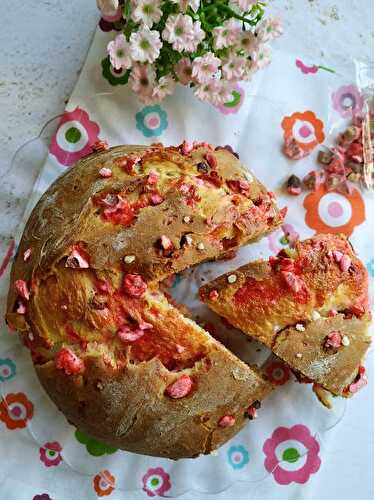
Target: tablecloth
[44, 456]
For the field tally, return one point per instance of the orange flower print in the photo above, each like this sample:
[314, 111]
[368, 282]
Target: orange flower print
[305, 128]
[104, 483]
[331, 212]
[16, 410]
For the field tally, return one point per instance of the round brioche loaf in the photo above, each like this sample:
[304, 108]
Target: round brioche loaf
[121, 362]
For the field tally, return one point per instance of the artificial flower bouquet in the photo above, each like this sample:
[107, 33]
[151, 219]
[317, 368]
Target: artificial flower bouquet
[209, 45]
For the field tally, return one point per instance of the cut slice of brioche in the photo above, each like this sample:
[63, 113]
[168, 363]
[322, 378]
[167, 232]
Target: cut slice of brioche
[286, 303]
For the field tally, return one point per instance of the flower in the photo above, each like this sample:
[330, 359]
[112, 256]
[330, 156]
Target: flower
[347, 101]
[143, 81]
[114, 76]
[108, 8]
[197, 38]
[205, 67]
[104, 483]
[234, 102]
[145, 45]
[74, 136]
[50, 454]
[164, 87]
[43, 496]
[261, 56]
[183, 71]
[306, 69]
[233, 68]
[7, 369]
[16, 410]
[278, 373]
[331, 212]
[94, 448]
[370, 266]
[292, 454]
[269, 29]
[206, 91]
[238, 456]
[119, 52]
[151, 121]
[222, 93]
[156, 482]
[147, 12]
[227, 34]
[184, 4]
[246, 42]
[245, 5]
[305, 128]
[286, 235]
[179, 31]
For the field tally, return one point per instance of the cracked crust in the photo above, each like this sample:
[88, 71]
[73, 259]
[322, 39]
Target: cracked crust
[80, 320]
[280, 302]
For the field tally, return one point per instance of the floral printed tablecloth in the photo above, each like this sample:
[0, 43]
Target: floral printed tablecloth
[282, 452]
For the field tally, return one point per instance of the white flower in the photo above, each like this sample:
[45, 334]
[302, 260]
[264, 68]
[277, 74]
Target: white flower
[179, 31]
[108, 8]
[206, 91]
[233, 68]
[204, 68]
[245, 5]
[183, 70]
[145, 45]
[147, 12]
[246, 42]
[165, 86]
[119, 52]
[227, 34]
[222, 93]
[269, 29]
[198, 37]
[142, 81]
[261, 56]
[184, 4]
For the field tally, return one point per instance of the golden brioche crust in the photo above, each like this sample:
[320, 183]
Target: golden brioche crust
[279, 302]
[84, 294]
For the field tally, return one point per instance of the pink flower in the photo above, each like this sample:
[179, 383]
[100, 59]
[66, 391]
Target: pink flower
[245, 4]
[227, 34]
[347, 101]
[233, 68]
[204, 68]
[119, 52]
[306, 69]
[268, 30]
[156, 482]
[179, 31]
[74, 136]
[165, 87]
[50, 454]
[197, 38]
[247, 42]
[261, 56]
[142, 81]
[222, 92]
[108, 8]
[145, 45]
[184, 4]
[183, 70]
[147, 12]
[292, 454]
[206, 91]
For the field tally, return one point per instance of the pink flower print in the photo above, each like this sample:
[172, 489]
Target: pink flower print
[156, 482]
[74, 137]
[306, 69]
[292, 454]
[279, 239]
[235, 103]
[50, 454]
[347, 101]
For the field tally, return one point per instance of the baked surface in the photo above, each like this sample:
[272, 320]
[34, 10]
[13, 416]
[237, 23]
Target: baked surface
[286, 302]
[106, 343]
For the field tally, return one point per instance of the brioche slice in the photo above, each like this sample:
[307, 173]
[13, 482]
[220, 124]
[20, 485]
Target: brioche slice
[122, 363]
[308, 304]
